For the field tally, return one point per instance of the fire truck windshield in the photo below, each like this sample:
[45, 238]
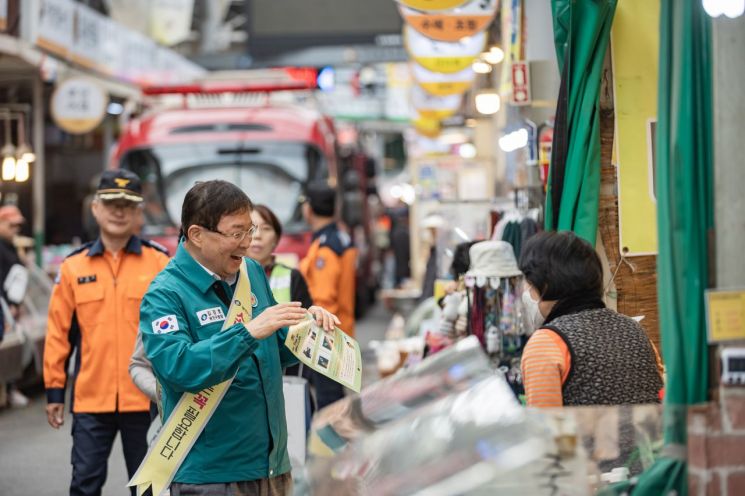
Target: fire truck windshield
[272, 173]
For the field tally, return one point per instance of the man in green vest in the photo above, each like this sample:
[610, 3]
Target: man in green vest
[243, 448]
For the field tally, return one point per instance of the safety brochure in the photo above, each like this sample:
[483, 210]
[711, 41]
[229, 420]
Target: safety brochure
[331, 353]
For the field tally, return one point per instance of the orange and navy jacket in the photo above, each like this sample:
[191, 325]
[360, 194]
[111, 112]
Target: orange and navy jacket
[95, 308]
[329, 269]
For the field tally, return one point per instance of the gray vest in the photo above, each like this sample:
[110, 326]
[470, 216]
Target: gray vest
[613, 362]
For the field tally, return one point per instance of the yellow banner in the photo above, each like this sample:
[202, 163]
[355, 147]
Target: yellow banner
[191, 414]
[452, 26]
[439, 56]
[439, 84]
[433, 5]
[634, 45]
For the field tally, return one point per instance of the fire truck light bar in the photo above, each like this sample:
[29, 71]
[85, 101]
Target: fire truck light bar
[286, 79]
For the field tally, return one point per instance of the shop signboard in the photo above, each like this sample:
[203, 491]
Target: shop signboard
[433, 107]
[433, 5]
[634, 45]
[3, 15]
[468, 20]
[725, 312]
[520, 83]
[439, 84]
[78, 105]
[77, 33]
[89, 34]
[56, 26]
[440, 56]
[398, 87]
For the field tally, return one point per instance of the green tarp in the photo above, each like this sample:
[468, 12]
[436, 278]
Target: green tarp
[581, 34]
[685, 216]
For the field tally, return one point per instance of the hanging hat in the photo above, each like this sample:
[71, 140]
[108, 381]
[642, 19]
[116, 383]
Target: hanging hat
[493, 259]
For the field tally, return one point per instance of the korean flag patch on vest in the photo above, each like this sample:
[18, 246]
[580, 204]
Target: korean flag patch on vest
[166, 324]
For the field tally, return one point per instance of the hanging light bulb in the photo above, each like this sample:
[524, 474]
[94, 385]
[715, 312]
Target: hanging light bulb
[481, 67]
[9, 168]
[494, 56]
[488, 103]
[21, 171]
[24, 151]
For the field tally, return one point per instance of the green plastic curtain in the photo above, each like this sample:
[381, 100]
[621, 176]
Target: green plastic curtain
[581, 34]
[685, 216]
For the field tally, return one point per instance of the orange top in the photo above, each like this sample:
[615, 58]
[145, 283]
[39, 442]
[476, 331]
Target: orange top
[329, 268]
[95, 307]
[545, 363]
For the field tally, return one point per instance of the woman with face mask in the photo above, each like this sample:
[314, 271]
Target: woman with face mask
[581, 353]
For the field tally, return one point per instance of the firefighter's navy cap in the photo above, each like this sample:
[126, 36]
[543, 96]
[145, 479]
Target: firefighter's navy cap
[321, 197]
[120, 184]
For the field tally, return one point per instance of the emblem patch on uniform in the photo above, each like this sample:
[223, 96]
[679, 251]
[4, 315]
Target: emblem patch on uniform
[254, 301]
[165, 324]
[210, 316]
[320, 263]
[87, 279]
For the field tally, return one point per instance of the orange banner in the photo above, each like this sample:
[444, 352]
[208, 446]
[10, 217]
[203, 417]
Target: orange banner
[453, 26]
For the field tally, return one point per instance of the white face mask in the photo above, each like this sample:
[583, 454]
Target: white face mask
[533, 312]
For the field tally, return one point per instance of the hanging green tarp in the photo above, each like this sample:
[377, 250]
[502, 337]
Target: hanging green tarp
[685, 215]
[581, 34]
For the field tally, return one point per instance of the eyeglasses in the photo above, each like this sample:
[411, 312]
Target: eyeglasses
[237, 236]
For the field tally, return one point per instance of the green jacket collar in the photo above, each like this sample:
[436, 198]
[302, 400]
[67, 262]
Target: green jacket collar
[191, 269]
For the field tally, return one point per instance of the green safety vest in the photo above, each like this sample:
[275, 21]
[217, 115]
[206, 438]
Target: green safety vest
[280, 282]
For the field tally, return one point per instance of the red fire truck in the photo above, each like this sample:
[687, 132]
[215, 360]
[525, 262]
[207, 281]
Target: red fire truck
[263, 134]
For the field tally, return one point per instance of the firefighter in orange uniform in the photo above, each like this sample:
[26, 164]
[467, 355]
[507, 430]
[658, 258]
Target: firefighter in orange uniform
[95, 308]
[329, 269]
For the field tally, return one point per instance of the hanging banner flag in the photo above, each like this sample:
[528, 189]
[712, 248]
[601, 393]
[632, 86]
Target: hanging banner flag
[433, 5]
[427, 127]
[439, 84]
[468, 20]
[434, 107]
[440, 56]
[634, 44]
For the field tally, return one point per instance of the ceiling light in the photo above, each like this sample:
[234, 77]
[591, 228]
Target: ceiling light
[9, 168]
[494, 56]
[488, 103]
[481, 67]
[513, 141]
[21, 171]
[467, 150]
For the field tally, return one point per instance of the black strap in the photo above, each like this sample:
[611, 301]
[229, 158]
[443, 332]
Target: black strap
[221, 293]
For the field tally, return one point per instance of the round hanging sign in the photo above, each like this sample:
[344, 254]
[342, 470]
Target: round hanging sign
[433, 5]
[78, 105]
[434, 107]
[439, 84]
[427, 127]
[472, 18]
[440, 56]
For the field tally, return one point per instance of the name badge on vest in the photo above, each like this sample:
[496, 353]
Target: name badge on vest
[210, 316]
[280, 282]
[87, 279]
